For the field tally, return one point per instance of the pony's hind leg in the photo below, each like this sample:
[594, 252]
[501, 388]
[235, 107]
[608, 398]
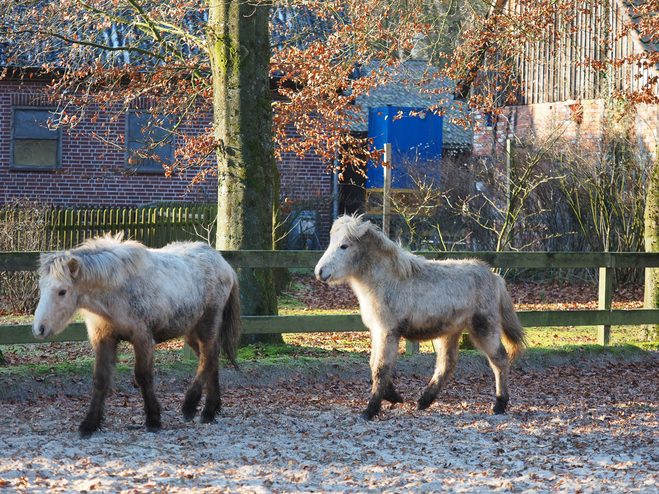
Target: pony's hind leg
[105, 358]
[500, 363]
[489, 341]
[447, 348]
[193, 395]
[213, 392]
[144, 377]
[208, 351]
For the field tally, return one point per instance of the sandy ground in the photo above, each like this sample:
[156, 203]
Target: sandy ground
[573, 428]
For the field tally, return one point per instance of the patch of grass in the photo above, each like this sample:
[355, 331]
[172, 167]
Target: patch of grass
[305, 311]
[287, 300]
[261, 351]
[582, 335]
[579, 352]
[40, 371]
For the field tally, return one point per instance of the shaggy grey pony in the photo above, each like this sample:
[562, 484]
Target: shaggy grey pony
[403, 295]
[145, 296]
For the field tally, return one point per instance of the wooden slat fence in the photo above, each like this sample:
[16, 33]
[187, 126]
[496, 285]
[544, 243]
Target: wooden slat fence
[604, 317]
[557, 67]
[153, 226]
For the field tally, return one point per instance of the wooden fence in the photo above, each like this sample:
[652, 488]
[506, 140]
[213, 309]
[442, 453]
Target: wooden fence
[604, 317]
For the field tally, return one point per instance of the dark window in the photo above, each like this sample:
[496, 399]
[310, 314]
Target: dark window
[34, 144]
[491, 119]
[149, 142]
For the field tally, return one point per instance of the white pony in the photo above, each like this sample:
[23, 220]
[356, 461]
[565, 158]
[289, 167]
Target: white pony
[145, 296]
[403, 295]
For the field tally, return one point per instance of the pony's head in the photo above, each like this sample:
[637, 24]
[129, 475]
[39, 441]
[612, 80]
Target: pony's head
[342, 255]
[356, 246]
[58, 274]
[99, 264]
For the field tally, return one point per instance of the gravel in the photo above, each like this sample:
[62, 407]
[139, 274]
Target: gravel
[578, 427]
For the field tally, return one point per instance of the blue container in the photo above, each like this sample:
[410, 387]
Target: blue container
[416, 146]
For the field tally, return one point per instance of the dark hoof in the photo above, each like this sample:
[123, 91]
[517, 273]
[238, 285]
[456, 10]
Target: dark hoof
[207, 418]
[393, 397]
[153, 426]
[367, 415]
[189, 413]
[424, 402]
[86, 430]
[500, 407]
[85, 434]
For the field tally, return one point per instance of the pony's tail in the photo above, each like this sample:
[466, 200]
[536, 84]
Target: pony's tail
[231, 324]
[514, 337]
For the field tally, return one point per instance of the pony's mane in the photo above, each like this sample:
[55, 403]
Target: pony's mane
[110, 259]
[353, 227]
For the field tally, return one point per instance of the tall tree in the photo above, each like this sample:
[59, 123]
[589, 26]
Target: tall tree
[239, 50]
[652, 245]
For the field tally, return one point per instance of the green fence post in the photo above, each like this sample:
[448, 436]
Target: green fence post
[604, 303]
[411, 347]
[188, 354]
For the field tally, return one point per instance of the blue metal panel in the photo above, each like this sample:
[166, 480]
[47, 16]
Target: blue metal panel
[416, 145]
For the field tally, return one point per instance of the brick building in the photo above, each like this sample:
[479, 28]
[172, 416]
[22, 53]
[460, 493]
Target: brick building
[71, 168]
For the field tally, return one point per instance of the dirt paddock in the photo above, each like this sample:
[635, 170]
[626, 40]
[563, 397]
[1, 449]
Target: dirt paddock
[589, 426]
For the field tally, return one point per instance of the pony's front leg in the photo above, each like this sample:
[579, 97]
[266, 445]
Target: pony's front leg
[106, 356]
[144, 376]
[383, 358]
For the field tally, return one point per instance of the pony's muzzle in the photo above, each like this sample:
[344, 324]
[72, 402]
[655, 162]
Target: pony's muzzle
[40, 331]
[321, 277]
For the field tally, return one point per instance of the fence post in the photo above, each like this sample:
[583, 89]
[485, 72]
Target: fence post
[411, 347]
[604, 303]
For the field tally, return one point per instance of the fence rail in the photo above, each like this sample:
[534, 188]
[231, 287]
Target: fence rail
[604, 317]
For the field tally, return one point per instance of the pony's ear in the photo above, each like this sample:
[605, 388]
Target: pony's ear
[74, 267]
[362, 229]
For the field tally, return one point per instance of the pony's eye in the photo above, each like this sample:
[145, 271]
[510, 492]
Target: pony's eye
[344, 246]
[62, 293]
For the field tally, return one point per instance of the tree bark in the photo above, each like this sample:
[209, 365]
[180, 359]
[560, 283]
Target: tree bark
[239, 46]
[652, 245]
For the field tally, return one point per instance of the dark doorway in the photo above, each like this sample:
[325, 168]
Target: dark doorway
[352, 187]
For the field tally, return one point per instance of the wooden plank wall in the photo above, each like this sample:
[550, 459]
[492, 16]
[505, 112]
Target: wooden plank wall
[556, 68]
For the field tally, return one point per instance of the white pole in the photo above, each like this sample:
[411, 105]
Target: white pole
[386, 200]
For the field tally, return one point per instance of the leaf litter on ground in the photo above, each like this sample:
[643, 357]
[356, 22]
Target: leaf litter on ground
[583, 425]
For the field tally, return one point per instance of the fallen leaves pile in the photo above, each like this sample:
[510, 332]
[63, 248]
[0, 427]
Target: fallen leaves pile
[571, 429]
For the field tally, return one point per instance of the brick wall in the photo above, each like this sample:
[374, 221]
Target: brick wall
[574, 121]
[306, 185]
[89, 174]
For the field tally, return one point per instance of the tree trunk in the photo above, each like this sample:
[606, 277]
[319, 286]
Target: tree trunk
[239, 45]
[652, 245]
